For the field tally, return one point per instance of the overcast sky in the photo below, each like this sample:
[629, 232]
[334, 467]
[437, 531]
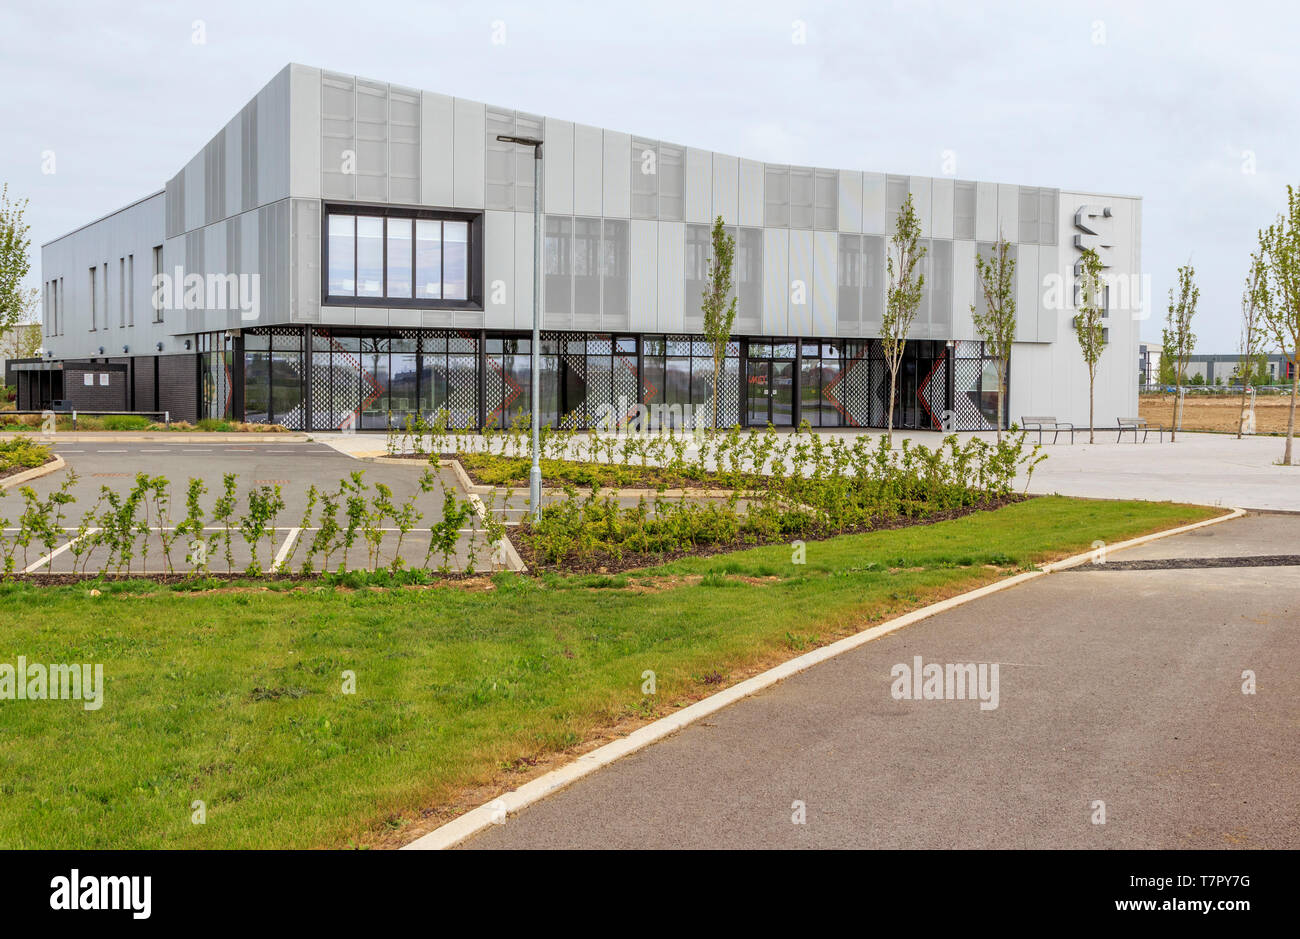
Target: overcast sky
[1191, 106]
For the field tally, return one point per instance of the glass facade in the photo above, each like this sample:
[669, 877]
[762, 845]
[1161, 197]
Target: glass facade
[373, 380]
[392, 258]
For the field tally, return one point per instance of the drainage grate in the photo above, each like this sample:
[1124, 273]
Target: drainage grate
[1182, 564]
[271, 482]
[111, 475]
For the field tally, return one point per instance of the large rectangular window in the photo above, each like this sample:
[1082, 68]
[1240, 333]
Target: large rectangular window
[370, 256]
[399, 258]
[428, 259]
[402, 258]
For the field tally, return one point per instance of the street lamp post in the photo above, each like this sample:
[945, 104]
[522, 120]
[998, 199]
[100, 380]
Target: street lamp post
[535, 474]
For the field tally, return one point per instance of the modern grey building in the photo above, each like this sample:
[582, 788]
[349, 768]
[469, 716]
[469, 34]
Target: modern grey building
[346, 251]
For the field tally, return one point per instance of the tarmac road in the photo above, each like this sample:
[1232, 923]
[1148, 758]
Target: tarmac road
[1116, 686]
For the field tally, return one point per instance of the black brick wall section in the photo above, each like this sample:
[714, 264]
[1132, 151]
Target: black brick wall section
[94, 397]
[144, 383]
[178, 386]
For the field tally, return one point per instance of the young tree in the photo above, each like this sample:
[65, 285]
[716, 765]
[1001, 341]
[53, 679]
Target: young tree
[1088, 326]
[997, 324]
[903, 297]
[718, 306]
[17, 303]
[1280, 250]
[1253, 300]
[1177, 334]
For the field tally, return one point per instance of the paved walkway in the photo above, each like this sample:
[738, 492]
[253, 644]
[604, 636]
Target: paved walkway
[1209, 469]
[1121, 687]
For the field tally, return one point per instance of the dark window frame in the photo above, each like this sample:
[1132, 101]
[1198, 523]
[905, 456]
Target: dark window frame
[473, 260]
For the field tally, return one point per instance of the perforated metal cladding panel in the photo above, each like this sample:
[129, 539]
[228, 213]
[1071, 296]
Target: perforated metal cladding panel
[624, 381]
[854, 388]
[878, 402]
[403, 146]
[934, 393]
[966, 386]
[372, 142]
[729, 393]
[338, 137]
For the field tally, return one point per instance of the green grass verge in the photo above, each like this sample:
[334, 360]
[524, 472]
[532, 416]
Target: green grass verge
[234, 698]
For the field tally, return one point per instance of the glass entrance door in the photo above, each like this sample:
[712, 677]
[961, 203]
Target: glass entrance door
[770, 390]
[758, 385]
[783, 393]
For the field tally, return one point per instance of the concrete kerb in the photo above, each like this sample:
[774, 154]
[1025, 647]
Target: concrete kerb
[17, 479]
[497, 811]
[175, 436]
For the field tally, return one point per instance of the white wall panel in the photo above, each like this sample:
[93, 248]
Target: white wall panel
[468, 154]
[557, 168]
[525, 248]
[618, 175]
[776, 280]
[751, 193]
[1049, 320]
[644, 260]
[986, 211]
[850, 201]
[437, 122]
[699, 186]
[920, 189]
[726, 188]
[873, 203]
[963, 289]
[826, 258]
[588, 167]
[1026, 293]
[304, 128]
[1009, 212]
[498, 269]
[941, 206]
[670, 316]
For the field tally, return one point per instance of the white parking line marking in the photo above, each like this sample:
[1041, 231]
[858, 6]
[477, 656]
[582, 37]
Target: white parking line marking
[197, 450]
[283, 553]
[32, 568]
[155, 451]
[110, 451]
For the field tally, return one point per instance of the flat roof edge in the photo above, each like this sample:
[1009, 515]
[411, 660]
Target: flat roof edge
[131, 205]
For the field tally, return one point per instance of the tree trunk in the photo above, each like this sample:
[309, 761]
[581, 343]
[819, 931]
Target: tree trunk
[1092, 378]
[1241, 418]
[1178, 410]
[1290, 418]
[1002, 395]
[889, 421]
[716, 367]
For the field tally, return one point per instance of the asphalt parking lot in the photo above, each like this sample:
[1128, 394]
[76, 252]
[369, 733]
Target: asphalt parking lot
[292, 466]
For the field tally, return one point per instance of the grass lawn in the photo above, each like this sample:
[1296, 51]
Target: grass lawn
[234, 697]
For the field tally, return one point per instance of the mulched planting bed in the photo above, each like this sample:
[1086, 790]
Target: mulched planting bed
[600, 563]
